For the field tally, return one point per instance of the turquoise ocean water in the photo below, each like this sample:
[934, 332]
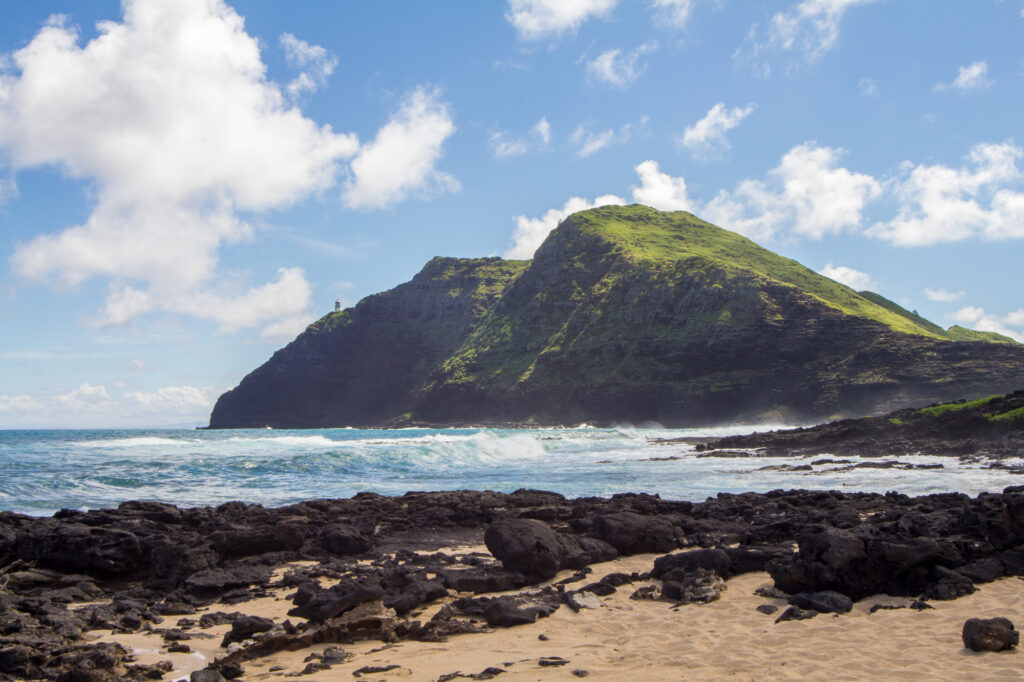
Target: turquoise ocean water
[44, 471]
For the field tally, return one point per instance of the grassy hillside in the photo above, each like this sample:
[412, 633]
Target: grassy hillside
[900, 310]
[650, 235]
[958, 333]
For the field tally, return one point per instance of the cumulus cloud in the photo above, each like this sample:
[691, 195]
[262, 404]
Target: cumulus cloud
[972, 77]
[313, 62]
[1011, 325]
[943, 296]
[855, 279]
[400, 162]
[530, 233]
[540, 19]
[810, 29]
[942, 204]
[672, 13]
[706, 138]
[171, 119]
[15, 404]
[89, 405]
[617, 68]
[808, 193]
[503, 145]
[660, 190]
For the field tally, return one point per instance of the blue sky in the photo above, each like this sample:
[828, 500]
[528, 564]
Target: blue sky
[184, 185]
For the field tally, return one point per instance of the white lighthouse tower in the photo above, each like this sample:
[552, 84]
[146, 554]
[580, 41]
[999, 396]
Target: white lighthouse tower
[337, 305]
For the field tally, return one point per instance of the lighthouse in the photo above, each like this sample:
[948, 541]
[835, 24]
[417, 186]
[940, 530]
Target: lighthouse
[337, 305]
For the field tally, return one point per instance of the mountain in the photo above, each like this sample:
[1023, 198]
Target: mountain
[625, 315]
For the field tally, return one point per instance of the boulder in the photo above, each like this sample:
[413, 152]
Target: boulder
[949, 585]
[696, 587]
[753, 559]
[341, 539]
[989, 634]
[532, 548]
[680, 563]
[174, 563]
[16, 660]
[327, 604]
[520, 609]
[232, 544]
[822, 602]
[75, 547]
[631, 533]
[215, 581]
[482, 579]
[415, 593]
[795, 613]
[245, 627]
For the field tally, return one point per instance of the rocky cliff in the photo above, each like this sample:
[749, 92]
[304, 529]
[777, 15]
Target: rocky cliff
[625, 314]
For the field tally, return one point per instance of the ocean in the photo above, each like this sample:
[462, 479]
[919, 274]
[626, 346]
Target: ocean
[44, 471]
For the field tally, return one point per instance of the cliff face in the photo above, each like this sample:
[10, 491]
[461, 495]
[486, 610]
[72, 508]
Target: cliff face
[625, 314]
[362, 365]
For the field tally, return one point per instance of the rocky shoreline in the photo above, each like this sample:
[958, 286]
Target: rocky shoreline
[368, 566]
[986, 428]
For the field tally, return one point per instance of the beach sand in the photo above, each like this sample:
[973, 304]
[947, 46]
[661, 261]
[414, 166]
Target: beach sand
[650, 640]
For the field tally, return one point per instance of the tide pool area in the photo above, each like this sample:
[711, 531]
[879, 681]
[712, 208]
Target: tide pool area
[42, 472]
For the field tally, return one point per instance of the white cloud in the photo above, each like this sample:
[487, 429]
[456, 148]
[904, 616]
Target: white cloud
[808, 193]
[8, 190]
[90, 405]
[660, 190]
[972, 77]
[18, 403]
[401, 160]
[943, 296]
[591, 143]
[855, 279]
[619, 69]
[503, 145]
[169, 117]
[942, 204]
[542, 130]
[531, 232]
[174, 399]
[977, 318]
[315, 65]
[706, 138]
[587, 142]
[868, 87]
[672, 13]
[85, 396]
[810, 29]
[539, 19]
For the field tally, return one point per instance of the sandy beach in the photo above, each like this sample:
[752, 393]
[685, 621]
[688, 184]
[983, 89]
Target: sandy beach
[650, 640]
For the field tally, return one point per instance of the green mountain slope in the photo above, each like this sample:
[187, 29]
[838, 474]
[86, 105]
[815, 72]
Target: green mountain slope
[959, 333]
[624, 314]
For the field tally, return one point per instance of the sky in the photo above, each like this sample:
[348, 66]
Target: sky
[186, 184]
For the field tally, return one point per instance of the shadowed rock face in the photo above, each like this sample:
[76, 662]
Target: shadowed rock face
[625, 314]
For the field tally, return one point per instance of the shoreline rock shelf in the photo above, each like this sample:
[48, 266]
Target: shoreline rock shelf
[374, 567]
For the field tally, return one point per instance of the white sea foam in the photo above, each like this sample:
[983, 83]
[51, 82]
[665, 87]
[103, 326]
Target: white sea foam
[43, 472]
[139, 442]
